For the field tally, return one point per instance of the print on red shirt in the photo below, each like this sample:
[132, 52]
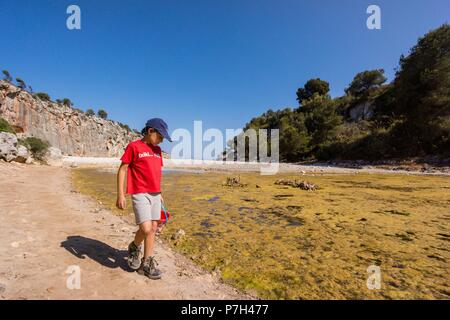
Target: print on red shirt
[144, 167]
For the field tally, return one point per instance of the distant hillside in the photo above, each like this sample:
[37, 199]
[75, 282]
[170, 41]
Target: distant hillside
[71, 130]
[409, 117]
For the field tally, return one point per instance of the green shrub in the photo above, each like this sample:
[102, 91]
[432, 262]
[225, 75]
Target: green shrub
[67, 102]
[7, 76]
[21, 84]
[43, 96]
[37, 146]
[102, 114]
[5, 126]
[124, 126]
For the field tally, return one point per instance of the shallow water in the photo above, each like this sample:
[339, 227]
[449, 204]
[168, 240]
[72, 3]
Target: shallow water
[164, 170]
[286, 243]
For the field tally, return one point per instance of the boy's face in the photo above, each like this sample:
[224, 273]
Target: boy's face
[155, 137]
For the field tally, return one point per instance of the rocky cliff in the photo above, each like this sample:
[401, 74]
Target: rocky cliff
[70, 130]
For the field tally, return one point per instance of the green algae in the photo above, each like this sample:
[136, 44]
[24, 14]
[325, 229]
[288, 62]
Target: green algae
[287, 243]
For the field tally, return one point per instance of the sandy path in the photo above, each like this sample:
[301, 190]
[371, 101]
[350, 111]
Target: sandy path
[46, 227]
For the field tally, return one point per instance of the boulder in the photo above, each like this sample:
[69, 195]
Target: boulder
[178, 236]
[8, 146]
[362, 111]
[23, 155]
[53, 156]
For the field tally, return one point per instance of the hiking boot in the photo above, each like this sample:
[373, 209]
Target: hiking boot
[148, 269]
[134, 256]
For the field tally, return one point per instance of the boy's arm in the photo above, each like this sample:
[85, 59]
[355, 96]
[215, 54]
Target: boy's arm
[120, 203]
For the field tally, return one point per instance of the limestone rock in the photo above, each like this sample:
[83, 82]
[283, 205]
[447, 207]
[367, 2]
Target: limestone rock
[234, 182]
[304, 185]
[53, 156]
[179, 235]
[8, 146]
[362, 111]
[23, 155]
[71, 131]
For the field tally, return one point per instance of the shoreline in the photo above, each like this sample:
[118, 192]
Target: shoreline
[353, 167]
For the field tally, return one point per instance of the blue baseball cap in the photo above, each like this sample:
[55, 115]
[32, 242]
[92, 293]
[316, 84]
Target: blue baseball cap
[159, 125]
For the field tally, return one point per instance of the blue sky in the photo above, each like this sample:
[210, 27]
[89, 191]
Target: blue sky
[222, 62]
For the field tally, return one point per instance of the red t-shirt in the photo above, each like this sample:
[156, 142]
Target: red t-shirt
[144, 167]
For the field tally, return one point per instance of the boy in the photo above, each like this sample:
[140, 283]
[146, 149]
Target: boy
[142, 162]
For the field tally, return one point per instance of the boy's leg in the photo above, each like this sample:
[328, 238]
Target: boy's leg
[139, 237]
[144, 234]
[151, 226]
[148, 267]
[147, 210]
[152, 213]
[134, 250]
[141, 206]
[149, 231]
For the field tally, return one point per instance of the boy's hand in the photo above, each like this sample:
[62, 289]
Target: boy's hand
[120, 203]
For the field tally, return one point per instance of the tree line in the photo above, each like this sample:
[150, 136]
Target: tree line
[409, 117]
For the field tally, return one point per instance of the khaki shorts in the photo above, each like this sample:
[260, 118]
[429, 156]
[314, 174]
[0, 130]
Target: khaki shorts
[146, 206]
